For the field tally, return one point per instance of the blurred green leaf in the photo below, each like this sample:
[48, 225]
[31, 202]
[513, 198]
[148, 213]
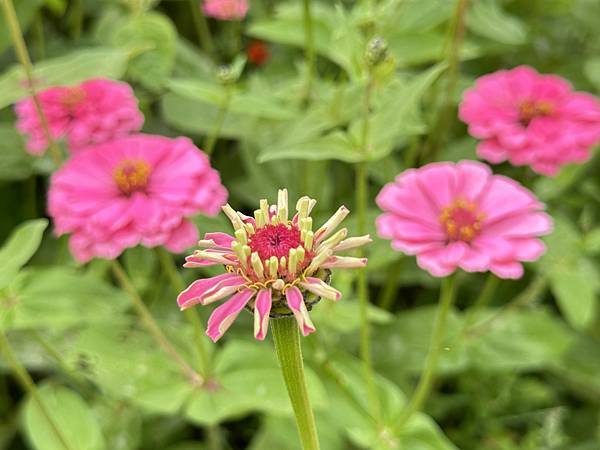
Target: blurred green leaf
[26, 11]
[591, 69]
[575, 295]
[486, 18]
[15, 162]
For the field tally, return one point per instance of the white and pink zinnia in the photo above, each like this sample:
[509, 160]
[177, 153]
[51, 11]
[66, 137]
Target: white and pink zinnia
[138, 189]
[462, 216]
[93, 112]
[531, 119]
[275, 266]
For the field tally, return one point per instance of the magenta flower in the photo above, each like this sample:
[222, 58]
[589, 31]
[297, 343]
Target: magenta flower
[93, 112]
[275, 266]
[461, 215]
[138, 189]
[225, 9]
[531, 119]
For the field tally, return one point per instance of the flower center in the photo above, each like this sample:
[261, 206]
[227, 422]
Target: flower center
[530, 109]
[461, 220]
[275, 240]
[72, 97]
[131, 175]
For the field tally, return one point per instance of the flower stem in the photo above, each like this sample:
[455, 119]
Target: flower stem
[168, 264]
[309, 47]
[490, 286]
[447, 296]
[388, 295]
[151, 325]
[202, 29]
[23, 56]
[289, 354]
[29, 386]
[211, 140]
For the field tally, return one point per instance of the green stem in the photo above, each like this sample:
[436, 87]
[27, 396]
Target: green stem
[309, 47]
[194, 377]
[447, 296]
[388, 295]
[289, 353]
[23, 56]
[168, 264]
[202, 30]
[490, 286]
[29, 386]
[211, 140]
[76, 19]
[453, 60]
[38, 36]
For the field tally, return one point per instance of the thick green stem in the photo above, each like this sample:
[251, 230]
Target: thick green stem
[168, 264]
[23, 56]
[447, 296]
[29, 386]
[289, 354]
[309, 47]
[151, 325]
[211, 140]
[490, 286]
[202, 30]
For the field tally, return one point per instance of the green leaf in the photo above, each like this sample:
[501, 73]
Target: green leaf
[576, 294]
[591, 69]
[69, 69]
[486, 18]
[26, 11]
[15, 162]
[70, 414]
[591, 242]
[19, 248]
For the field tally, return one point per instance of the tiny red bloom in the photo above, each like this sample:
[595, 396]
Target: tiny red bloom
[258, 52]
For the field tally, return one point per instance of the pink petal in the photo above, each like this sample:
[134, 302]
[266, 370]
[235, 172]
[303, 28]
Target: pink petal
[320, 288]
[182, 237]
[223, 316]
[262, 308]
[512, 270]
[295, 302]
[200, 291]
[220, 239]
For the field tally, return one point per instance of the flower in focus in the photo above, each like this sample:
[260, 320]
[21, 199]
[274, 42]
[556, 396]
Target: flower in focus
[258, 52]
[134, 190]
[275, 266]
[225, 9]
[531, 119]
[461, 215]
[93, 112]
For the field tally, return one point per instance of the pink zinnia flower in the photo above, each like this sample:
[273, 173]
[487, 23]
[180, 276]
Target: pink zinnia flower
[225, 9]
[275, 266]
[134, 190]
[461, 215]
[93, 112]
[531, 119]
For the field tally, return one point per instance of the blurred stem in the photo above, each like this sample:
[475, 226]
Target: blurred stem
[169, 267]
[309, 47]
[201, 26]
[29, 386]
[211, 140]
[16, 36]
[490, 286]
[38, 36]
[76, 19]
[194, 377]
[289, 353]
[456, 37]
[447, 296]
[388, 295]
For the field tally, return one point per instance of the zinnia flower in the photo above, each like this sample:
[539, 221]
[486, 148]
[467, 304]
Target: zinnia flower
[225, 9]
[531, 119]
[93, 112]
[134, 190]
[258, 52]
[461, 215]
[275, 266]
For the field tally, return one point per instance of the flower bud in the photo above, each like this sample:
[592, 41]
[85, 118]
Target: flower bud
[376, 51]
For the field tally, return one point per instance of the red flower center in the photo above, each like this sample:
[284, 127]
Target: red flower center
[530, 109]
[131, 175]
[461, 220]
[275, 240]
[72, 97]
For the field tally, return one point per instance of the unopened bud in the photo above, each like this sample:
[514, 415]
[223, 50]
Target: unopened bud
[376, 51]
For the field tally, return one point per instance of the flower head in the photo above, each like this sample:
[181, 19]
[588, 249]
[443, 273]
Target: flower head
[133, 190]
[258, 52]
[531, 119]
[275, 266]
[93, 112]
[461, 215]
[225, 9]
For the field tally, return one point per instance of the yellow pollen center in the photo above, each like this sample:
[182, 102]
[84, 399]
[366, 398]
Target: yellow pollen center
[73, 96]
[529, 109]
[461, 220]
[132, 175]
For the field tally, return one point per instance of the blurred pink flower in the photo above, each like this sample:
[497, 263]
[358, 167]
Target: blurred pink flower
[93, 112]
[134, 190]
[225, 9]
[281, 262]
[461, 215]
[531, 119]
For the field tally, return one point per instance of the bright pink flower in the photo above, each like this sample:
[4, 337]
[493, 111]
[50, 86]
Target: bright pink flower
[275, 266]
[93, 112]
[531, 119]
[134, 190]
[225, 9]
[461, 215]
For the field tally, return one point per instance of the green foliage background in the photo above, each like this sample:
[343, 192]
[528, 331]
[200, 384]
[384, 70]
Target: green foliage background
[522, 373]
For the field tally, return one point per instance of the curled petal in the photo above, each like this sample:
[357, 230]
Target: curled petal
[223, 316]
[352, 242]
[262, 308]
[320, 288]
[344, 262]
[223, 240]
[329, 227]
[217, 257]
[295, 302]
[209, 290]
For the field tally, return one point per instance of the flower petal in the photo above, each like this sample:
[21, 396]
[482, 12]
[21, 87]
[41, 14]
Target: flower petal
[223, 316]
[344, 262]
[295, 302]
[209, 289]
[262, 308]
[320, 288]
